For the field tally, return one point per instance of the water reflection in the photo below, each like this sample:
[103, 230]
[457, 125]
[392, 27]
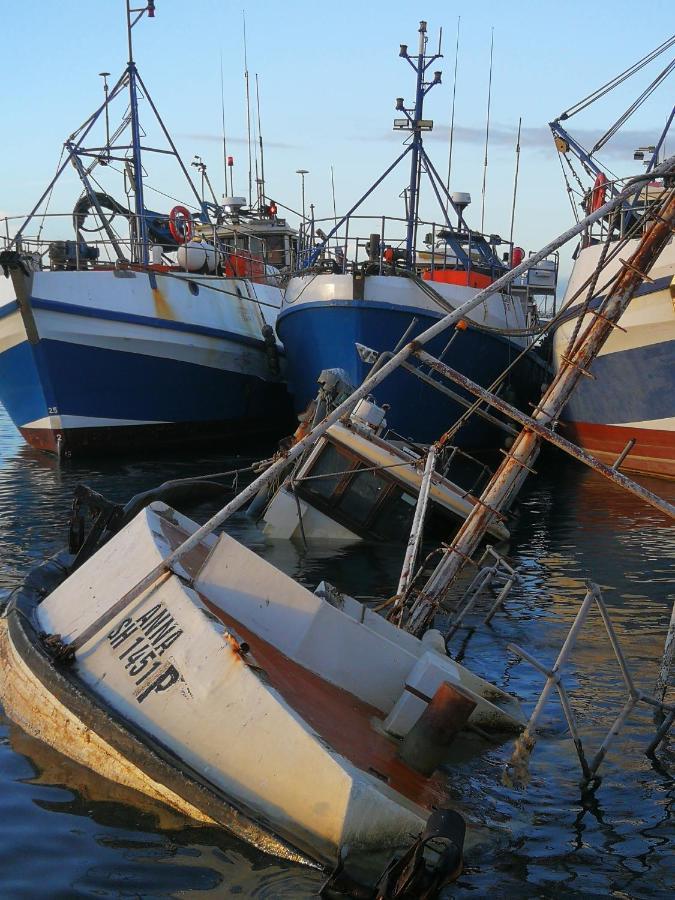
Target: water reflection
[64, 827]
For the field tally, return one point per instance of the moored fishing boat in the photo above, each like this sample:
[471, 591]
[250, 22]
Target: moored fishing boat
[627, 407]
[159, 330]
[218, 688]
[380, 281]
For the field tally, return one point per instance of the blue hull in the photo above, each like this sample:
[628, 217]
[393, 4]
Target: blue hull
[170, 399]
[322, 335]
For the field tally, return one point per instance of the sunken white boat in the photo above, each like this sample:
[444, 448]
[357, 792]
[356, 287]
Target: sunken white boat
[231, 693]
[361, 482]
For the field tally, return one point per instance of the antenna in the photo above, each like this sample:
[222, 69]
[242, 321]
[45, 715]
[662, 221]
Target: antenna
[487, 135]
[248, 116]
[452, 114]
[332, 185]
[105, 76]
[222, 118]
[515, 187]
[139, 203]
[260, 140]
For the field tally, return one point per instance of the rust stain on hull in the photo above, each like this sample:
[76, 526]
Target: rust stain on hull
[162, 305]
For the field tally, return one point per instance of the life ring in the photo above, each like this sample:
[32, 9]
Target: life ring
[184, 234]
[599, 194]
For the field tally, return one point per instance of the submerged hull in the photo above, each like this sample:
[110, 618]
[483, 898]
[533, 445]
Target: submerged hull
[322, 334]
[91, 361]
[216, 692]
[632, 396]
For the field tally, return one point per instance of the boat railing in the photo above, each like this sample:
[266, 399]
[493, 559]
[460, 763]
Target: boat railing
[119, 250]
[378, 243]
[629, 219]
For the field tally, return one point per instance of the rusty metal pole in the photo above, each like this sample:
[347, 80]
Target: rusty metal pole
[666, 660]
[508, 479]
[417, 528]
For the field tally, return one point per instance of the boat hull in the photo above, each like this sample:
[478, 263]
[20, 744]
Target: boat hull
[322, 335]
[90, 362]
[48, 704]
[632, 394]
[220, 686]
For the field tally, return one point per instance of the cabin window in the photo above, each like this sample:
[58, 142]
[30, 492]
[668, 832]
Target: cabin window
[330, 460]
[276, 250]
[365, 501]
[393, 519]
[365, 489]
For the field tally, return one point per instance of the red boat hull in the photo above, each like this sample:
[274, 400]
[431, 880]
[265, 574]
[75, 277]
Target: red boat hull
[653, 453]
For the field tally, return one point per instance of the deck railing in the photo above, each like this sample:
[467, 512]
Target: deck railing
[50, 249]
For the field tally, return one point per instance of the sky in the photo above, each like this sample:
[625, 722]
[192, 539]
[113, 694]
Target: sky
[328, 76]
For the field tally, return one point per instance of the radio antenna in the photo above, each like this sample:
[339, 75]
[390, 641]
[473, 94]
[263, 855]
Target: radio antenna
[487, 135]
[515, 187]
[222, 118]
[260, 140]
[452, 114]
[248, 116]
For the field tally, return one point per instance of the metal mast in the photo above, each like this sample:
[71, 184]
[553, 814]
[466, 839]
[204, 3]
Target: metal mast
[141, 250]
[417, 125]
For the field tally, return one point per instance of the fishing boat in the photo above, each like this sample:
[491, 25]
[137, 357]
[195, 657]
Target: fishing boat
[626, 410]
[217, 688]
[380, 281]
[142, 328]
[359, 483]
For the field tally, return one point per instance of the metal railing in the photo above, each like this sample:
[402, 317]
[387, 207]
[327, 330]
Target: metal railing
[353, 245]
[83, 252]
[623, 221]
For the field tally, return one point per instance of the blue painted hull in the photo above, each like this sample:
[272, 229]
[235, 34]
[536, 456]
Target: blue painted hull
[171, 400]
[322, 335]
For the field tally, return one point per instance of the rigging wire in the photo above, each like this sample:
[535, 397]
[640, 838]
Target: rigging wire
[618, 79]
[634, 106]
[568, 187]
[49, 196]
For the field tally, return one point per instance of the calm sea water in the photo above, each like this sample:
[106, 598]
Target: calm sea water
[64, 832]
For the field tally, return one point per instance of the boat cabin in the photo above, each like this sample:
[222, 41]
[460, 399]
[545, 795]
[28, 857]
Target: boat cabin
[356, 484]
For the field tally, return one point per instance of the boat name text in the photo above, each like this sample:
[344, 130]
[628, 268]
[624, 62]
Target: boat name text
[144, 640]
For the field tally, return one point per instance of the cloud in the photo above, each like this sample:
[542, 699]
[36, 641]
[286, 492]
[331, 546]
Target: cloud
[537, 138]
[277, 145]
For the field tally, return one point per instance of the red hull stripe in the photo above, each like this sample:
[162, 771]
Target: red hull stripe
[653, 453]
